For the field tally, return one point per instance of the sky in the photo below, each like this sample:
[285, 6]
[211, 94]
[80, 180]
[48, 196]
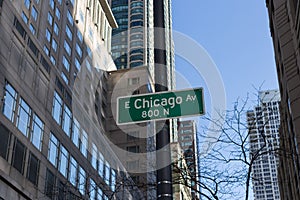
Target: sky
[235, 33]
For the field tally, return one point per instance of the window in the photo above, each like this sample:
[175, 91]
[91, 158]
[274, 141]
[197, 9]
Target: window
[81, 180]
[79, 35]
[67, 120]
[50, 18]
[72, 2]
[4, 143]
[93, 189]
[32, 29]
[37, 1]
[52, 59]
[113, 180]
[46, 50]
[10, 99]
[133, 149]
[53, 149]
[63, 162]
[101, 165]
[57, 108]
[78, 50]
[94, 156]
[51, 3]
[84, 143]
[77, 64]
[37, 132]
[66, 63]
[27, 3]
[107, 173]
[57, 13]
[19, 153]
[133, 81]
[23, 117]
[56, 29]
[99, 193]
[73, 171]
[48, 35]
[34, 13]
[49, 184]
[54, 45]
[24, 17]
[65, 78]
[67, 48]
[70, 18]
[69, 32]
[75, 134]
[33, 169]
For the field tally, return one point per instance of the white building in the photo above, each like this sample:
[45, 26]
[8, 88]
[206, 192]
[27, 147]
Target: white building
[263, 124]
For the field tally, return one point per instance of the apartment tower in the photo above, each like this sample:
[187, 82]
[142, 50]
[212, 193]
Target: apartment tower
[263, 125]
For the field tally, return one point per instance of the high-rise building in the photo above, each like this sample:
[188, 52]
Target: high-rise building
[52, 99]
[133, 40]
[181, 177]
[187, 139]
[133, 47]
[133, 141]
[263, 125]
[285, 31]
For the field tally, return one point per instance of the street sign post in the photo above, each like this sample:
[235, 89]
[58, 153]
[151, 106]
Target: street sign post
[158, 106]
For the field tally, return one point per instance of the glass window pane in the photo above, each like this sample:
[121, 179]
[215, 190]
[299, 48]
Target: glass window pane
[73, 171]
[53, 150]
[63, 164]
[75, 134]
[23, 117]
[33, 169]
[94, 156]
[67, 120]
[24, 17]
[49, 184]
[57, 108]
[57, 13]
[27, 3]
[81, 181]
[93, 189]
[66, 63]
[84, 143]
[5, 141]
[34, 13]
[37, 132]
[10, 100]
[70, 18]
[19, 156]
[101, 165]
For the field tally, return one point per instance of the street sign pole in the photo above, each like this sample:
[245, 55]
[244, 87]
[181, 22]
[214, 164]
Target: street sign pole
[164, 175]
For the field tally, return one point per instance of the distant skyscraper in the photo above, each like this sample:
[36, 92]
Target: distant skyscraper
[187, 140]
[263, 124]
[285, 30]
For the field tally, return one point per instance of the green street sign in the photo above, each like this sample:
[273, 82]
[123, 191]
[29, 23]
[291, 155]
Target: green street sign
[158, 106]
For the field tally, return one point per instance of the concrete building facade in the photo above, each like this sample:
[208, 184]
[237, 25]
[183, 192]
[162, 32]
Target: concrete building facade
[284, 17]
[263, 125]
[53, 134]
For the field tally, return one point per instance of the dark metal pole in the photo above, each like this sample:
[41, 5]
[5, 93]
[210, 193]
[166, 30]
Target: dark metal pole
[164, 175]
